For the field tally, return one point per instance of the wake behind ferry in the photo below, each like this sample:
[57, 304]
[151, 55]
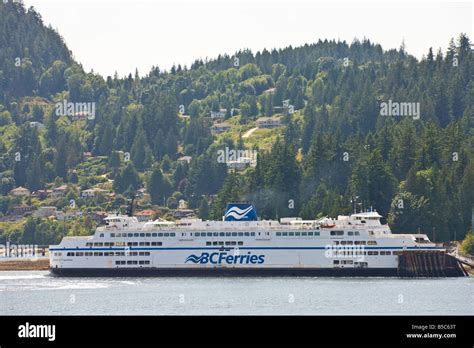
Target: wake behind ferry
[239, 245]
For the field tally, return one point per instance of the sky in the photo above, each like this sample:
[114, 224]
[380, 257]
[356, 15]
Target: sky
[123, 35]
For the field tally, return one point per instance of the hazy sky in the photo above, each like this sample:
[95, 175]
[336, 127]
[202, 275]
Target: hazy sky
[121, 35]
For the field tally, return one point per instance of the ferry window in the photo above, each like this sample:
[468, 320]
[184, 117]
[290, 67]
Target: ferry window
[172, 234]
[141, 262]
[142, 243]
[88, 244]
[117, 262]
[208, 243]
[130, 235]
[291, 234]
[278, 234]
[316, 233]
[241, 234]
[153, 234]
[214, 243]
[252, 234]
[240, 243]
[216, 234]
[160, 234]
[247, 234]
[227, 243]
[234, 234]
[304, 234]
[297, 234]
[221, 243]
[142, 234]
[337, 233]
[310, 233]
[221, 234]
[349, 242]
[284, 234]
[336, 262]
[372, 242]
[350, 233]
[136, 234]
[197, 234]
[166, 234]
[129, 262]
[209, 234]
[70, 254]
[147, 262]
[112, 235]
[233, 243]
[101, 235]
[356, 233]
[148, 235]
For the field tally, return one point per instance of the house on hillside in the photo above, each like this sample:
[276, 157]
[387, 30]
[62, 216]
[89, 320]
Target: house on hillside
[185, 159]
[218, 115]
[21, 209]
[219, 128]
[145, 215]
[89, 193]
[67, 216]
[42, 194]
[269, 122]
[59, 191]
[44, 212]
[20, 192]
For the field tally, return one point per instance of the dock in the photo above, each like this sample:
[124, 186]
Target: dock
[415, 263]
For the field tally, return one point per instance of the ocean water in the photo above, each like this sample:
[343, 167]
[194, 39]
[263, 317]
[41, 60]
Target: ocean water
[38, 293]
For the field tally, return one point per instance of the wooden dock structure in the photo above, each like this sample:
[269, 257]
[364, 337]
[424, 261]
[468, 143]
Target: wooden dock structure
[416, 263]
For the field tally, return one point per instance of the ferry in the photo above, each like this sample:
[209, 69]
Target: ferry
[239, 245]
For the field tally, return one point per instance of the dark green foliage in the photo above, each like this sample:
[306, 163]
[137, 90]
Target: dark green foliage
[337, 145]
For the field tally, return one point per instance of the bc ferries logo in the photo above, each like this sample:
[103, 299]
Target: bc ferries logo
[219, 258]
[240, 212]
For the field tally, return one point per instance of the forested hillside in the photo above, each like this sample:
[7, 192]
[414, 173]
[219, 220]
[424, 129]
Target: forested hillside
[154, 136]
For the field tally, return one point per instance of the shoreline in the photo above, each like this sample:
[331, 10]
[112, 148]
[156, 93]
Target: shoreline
[30, 264]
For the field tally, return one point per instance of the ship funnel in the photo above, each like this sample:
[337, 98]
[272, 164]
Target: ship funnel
[240, 212]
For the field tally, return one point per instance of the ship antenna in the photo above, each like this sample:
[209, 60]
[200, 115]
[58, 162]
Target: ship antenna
[130, 208]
